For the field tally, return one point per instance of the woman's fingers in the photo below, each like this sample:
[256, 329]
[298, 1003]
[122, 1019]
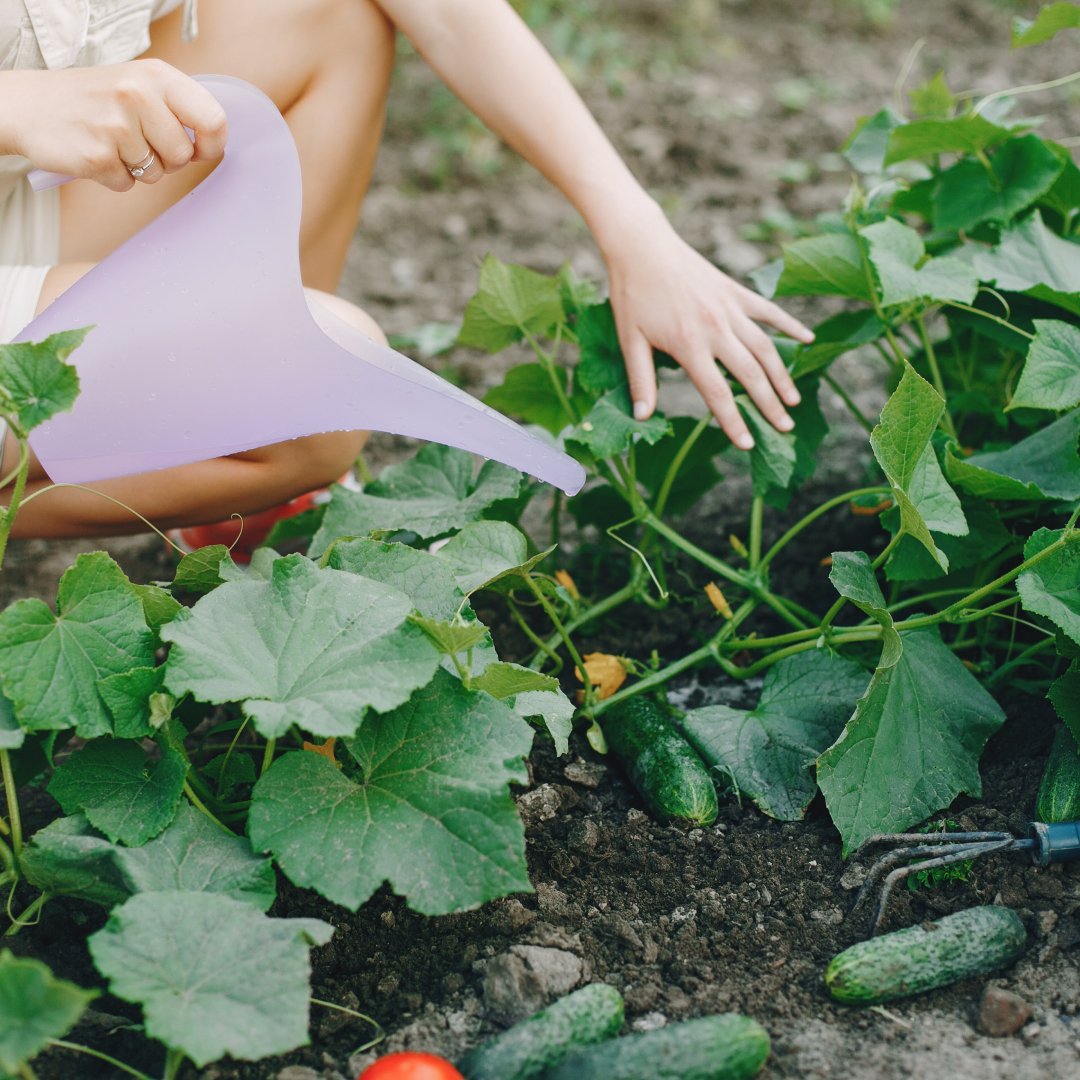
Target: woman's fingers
[641, 373]
[762, 310]
[199, 111]
[713, 388]
[748, 372]
[764, 351]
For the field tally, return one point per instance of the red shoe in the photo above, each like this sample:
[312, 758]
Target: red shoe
[243, 537]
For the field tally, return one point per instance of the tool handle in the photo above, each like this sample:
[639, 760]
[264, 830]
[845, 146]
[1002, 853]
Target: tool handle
[1055, 843]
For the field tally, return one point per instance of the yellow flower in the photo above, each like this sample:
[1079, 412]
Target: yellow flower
[607, 673]
[718, 600]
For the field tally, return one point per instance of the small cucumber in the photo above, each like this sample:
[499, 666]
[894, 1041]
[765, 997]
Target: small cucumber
[661, 764]
[589, 1015]
[972, 942]
[726, 1047]
[1059, 792]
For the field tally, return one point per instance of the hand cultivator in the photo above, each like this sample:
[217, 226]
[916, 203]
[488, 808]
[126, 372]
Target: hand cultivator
[1045, 843]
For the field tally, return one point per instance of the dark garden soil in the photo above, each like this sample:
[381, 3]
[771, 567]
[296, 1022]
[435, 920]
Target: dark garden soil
[719, 105]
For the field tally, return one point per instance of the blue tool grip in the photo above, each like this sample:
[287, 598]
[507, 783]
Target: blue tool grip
[1059, 842]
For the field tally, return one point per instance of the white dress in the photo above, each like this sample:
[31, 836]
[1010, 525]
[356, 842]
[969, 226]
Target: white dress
[56, 34]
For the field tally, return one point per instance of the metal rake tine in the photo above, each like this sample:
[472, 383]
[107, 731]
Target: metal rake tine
[898, 855]
[958, 854]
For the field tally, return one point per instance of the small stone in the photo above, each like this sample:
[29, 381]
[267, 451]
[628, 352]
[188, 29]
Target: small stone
[551, 900]
[387, 985]
[359, 1062]
[1001, 1012]
[585, 773]
[634, 816]
[540, 804]
[298, 1072]
[1031, 1032]
[513, 915]
[523, 980]
[853, 877]
[651, 1021]
[1045, 921]
[455, 227]
[388, 919]
[584, 836]
[831, 916]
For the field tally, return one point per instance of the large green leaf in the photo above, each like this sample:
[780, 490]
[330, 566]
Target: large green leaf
[905, 274]
[551, 706]
[912, 745]
[610, 427]
[483, 553]
[1065, 697]
[510, 301]
[696, 475]
[35, 1007]
[835, 336]
[50, 664]
[902, 445]
[192, 855]
[200, 571]
[528, 393]
[1020, 173]
[600, 366]
[424, 578]
[866, 146]
[852, 575]
[1050, 21]
[309, 647]
[122, 791]
[827, 265]
[1051, 375]
[431, 494]
[214, 976]
[1042, 466]
[12, 735]
[928, 138]
[933, 99]
[131, 697]
[1029, 255]
[430, 811]
[35, 381]
[1052, 586]
[767, 751]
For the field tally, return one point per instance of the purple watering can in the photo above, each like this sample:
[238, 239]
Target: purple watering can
[204, 343]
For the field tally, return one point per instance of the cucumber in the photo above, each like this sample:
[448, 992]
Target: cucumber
[726, 1047]
[586, 1016]
[972, 942]
[661, 764]
[1059, 792]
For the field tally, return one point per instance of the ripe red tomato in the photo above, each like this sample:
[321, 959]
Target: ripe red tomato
[411, 1067]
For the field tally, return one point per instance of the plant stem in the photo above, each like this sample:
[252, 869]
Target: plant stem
[173, 1060]
[935, 375]
[757, 508]
[8, 517]
[12, 796]
[380, 1034]
[676, 464]
[25, 918]
[25, 1072]
[810, 518]
[1020, 660]
[268, 755]
[553, 615]
[849, 401]
[986, 315]
[591, 613]
[199, 805]
[62, 1044]
[553, 369]
[7, 857]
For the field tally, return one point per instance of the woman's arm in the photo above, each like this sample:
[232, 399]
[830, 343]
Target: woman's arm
[664, 294]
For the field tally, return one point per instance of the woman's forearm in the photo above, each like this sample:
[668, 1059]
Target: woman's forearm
[492, 61]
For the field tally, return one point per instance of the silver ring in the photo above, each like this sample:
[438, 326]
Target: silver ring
[143, 166]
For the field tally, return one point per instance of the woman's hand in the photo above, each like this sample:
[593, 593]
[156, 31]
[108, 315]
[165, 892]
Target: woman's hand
[99, 123]
[666, 296]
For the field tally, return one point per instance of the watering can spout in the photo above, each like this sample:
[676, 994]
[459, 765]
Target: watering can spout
[205, 345]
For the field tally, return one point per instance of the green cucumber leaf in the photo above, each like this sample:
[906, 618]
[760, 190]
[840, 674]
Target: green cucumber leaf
[768, 751]
[200, 571]
[554, 708]
[837, 335]
[930, 137]
[1050, 21]
[192, 855]
[424, 578]
[502, 680]
[852, 575]
[35, 1007]
[1030, 255]
[1021, 172]
[933, 100]
[826, 265]
[485, 552]
[509, 302]
[229, 772]
[902, 445]
[610, 427]
[213, 975]
[159, 605]
[436, 770]
[429, 495]
[600, 366]
[866, 146]
[774, 474]
[1052, 587]
[905, 274]
[35, 383]
[1051, 375]
[1042, 466]
[12, 736]
[128, 697]
[123, 792]
[451, 638]
[309, 647]
[528, 394]
[696, 475]
[50, 664]
[1065, 697]
[912, 745]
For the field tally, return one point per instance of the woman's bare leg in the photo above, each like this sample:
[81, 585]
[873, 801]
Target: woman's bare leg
[197, 494]
[325, 63]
